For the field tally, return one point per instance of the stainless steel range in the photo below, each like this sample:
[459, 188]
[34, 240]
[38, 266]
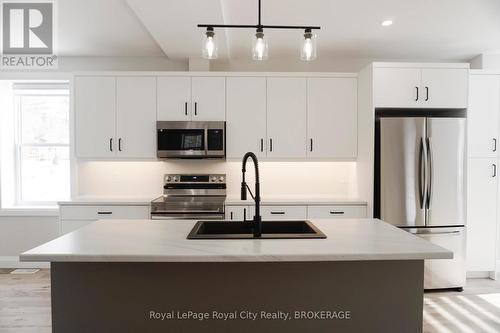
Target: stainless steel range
[191, 197]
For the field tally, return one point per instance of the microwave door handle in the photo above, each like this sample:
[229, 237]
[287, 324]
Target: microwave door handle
[206, 140]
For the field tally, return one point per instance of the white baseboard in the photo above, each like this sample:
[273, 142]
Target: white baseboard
[13, 262]
[479, 274]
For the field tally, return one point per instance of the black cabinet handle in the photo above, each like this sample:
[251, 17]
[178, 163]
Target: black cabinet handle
[277, 213]
[186, 108]
[311, 144]
[416, 99]
[104, 213]
[333, 212]
[494, 170]
[270, 144]
[244, 214]
[120, 144]
[426, 94]
[261, 145]
[195, 108]
[494, 144]
[231, 215]
[110, 144]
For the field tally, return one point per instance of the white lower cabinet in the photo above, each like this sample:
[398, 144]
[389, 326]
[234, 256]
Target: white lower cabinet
[238, 213]
[336, 211]
[482, 204]
[73, 217]
[283, 212]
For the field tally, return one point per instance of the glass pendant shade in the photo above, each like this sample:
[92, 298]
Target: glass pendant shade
[209, 46]
[260, 48]
[308, 48]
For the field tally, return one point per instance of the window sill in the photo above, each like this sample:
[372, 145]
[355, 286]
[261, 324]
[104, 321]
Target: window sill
[30, 211]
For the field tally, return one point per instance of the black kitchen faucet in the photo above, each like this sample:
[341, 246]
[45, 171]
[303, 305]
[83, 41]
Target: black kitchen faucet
[257, 220]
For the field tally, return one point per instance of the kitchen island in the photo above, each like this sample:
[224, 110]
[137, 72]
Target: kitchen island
[145, 276]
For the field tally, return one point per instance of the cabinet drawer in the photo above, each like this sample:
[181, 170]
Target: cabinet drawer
[238, 213]
[283, 212]
[103, 212]
[335, 211]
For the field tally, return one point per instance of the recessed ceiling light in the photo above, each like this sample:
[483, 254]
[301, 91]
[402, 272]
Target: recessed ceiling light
[386, 23]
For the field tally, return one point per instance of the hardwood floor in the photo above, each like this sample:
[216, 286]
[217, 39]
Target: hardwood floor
[475, 310]
[25, 302]
[25, 306]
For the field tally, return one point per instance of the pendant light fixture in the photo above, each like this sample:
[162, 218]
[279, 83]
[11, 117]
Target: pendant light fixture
[209, 46]
[260, 47]
[308, 49]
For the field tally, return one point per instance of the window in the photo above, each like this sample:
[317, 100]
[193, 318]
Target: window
[41, 161]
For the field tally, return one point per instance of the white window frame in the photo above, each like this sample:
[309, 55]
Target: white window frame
[34, 89]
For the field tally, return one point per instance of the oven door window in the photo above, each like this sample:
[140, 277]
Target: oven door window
[181, 139]
[215, 139]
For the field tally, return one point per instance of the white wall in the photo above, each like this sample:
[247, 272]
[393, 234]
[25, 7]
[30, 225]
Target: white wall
[277, 178]
[21, 233]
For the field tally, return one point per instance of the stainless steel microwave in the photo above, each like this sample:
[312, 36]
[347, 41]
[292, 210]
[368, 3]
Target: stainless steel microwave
[191, 139]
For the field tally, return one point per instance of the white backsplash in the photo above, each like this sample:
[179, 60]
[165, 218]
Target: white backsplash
[125, 178]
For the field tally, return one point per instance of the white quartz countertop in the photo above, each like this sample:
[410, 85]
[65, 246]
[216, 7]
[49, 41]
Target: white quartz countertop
[284, 200]
[165, 241]
[96, 200]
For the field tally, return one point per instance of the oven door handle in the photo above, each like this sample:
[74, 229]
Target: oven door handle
[191, 211]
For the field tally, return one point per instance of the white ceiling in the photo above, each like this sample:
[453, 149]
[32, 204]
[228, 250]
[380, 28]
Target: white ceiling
[102, 28]
[422, 29]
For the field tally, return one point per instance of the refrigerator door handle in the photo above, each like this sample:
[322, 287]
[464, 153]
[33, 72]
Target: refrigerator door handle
[431, 172]
[422, 173]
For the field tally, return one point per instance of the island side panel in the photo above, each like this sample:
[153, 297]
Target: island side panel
[381, 296]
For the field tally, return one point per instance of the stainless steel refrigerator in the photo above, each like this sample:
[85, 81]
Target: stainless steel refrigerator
[420, 183]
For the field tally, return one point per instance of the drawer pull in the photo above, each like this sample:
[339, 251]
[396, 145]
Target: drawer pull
[336, 212]
[104, 213]
[277, 213]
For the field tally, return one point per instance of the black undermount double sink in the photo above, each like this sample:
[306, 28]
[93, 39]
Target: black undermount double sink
[244, 230]
[255, 229]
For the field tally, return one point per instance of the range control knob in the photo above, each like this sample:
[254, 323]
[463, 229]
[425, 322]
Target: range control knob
[221, 178]
[168, 178]
[213, 179]
[176, 178]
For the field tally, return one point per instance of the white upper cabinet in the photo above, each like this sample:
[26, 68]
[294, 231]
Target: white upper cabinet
[420, 87]
[115, 117]
[397, 87]
[445, 87]
[208, 98]
[484, 106]
[95, 117]
[186, 98]
[332, 118]
[246, 116]
[136, 117]
[174, 98]
[286, 117]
